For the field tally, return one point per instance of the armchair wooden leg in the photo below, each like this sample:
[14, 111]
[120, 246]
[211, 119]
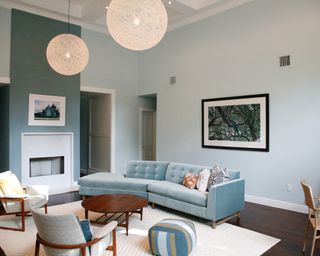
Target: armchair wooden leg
[113, 247]
[46, 209]
[83, 251]
[22, 216]
[36, 252]
[114, 242]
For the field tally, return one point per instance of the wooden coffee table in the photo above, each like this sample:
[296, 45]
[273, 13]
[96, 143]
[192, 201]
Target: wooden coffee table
[117, 207]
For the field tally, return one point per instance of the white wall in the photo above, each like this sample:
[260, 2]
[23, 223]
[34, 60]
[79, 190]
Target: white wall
[113, 67]
[236, 53]
[5, 32]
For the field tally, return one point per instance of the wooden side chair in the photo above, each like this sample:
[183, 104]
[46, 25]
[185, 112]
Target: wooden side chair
[62, 235]
[313, 216]
[18, 201]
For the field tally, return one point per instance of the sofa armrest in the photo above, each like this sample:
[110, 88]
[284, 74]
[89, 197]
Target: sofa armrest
[225, 199]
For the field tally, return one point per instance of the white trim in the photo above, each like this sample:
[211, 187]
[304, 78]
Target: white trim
[276, 203]
[140, 127]
[113, 119]
[4, 80]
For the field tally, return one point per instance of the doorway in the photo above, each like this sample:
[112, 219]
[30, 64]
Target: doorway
[96, 131]
[147, 127]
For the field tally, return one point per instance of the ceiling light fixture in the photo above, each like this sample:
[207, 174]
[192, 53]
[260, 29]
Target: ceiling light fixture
[137, 24]
[67, 54]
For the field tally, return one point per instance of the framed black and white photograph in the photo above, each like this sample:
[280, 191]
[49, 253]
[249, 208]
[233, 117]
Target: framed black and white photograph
[240, 122]
[46, 110]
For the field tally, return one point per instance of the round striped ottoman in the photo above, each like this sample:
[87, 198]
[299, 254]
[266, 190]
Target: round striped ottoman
[172, 237]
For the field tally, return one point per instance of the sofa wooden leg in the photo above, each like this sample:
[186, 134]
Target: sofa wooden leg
[153, 206]
[213, 224]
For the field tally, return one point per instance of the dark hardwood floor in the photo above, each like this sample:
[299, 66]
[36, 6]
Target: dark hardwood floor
[286, 225]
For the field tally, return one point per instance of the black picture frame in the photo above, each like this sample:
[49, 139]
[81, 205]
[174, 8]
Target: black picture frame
[237, 123]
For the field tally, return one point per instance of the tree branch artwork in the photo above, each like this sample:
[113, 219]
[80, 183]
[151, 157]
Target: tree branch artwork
[240, 122]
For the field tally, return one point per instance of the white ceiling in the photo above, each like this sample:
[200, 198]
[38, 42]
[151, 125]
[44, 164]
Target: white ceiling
[91, 13]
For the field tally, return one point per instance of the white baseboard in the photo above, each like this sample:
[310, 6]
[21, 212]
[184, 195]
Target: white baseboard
[276, 203]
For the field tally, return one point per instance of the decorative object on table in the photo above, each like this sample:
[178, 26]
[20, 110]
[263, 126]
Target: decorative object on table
[313, 216]
[172, 237]
[240, 122]
[46, 110]
[137, 24]
[67, 54]
[190, 180]
[17, 201]
[62, 235]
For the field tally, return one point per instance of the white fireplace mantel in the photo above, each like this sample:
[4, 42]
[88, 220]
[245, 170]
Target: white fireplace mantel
[34, 145]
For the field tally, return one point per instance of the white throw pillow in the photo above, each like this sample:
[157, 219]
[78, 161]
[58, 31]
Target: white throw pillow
[202, 182]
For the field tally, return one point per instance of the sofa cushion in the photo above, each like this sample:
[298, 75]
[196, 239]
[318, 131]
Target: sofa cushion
[99, 179]
[176, 171]
[190, 180]
[154, 170]
[178, 192]
[114, 181]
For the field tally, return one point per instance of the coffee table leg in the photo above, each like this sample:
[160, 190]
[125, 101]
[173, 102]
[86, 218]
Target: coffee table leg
[127, 222]
[86, 215]
[141, 213]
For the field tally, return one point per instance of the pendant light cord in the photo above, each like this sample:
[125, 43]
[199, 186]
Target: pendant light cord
[69, 18]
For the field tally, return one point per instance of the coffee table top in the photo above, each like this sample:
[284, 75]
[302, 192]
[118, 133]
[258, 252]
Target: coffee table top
[114, 203]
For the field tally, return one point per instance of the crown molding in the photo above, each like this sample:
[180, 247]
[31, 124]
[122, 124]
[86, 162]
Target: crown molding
[12, 5]
[207, 12]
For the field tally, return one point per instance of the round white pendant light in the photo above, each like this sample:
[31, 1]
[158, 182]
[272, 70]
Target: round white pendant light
[137, 24]
[67, 54]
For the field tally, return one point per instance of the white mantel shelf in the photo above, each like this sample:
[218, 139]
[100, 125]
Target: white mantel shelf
[4, 80]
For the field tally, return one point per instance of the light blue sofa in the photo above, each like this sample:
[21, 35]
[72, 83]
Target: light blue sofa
[160, 182]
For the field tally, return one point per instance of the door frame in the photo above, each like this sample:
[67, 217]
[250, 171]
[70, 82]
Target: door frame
[140, 129]
[112, 93]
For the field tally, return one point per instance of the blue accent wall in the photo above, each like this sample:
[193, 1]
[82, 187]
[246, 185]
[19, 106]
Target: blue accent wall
[30, 73]
[84, 132]
[4, 128]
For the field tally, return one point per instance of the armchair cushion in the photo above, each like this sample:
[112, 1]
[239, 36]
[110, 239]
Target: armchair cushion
[9, 184]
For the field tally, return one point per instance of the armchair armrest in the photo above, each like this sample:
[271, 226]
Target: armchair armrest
[225, 199]
[38, 190]
[14, 197]
[105, 230]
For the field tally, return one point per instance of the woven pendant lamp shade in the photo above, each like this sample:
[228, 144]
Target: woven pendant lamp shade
[67, 54]
[137, 24]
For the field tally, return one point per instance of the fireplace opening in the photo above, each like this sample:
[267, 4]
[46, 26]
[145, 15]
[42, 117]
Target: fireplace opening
[45, 166]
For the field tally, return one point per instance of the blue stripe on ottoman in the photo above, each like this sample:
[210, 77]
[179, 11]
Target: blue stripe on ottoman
[172, 237]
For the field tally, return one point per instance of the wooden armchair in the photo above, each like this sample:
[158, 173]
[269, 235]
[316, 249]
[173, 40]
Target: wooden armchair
[62, 235]
[18, 201]
[313, 216]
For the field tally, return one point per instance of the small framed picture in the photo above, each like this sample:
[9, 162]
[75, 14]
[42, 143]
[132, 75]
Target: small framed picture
[46, 110]
[240, 122]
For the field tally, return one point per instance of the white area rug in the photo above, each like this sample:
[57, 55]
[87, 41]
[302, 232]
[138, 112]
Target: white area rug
[225, 240]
